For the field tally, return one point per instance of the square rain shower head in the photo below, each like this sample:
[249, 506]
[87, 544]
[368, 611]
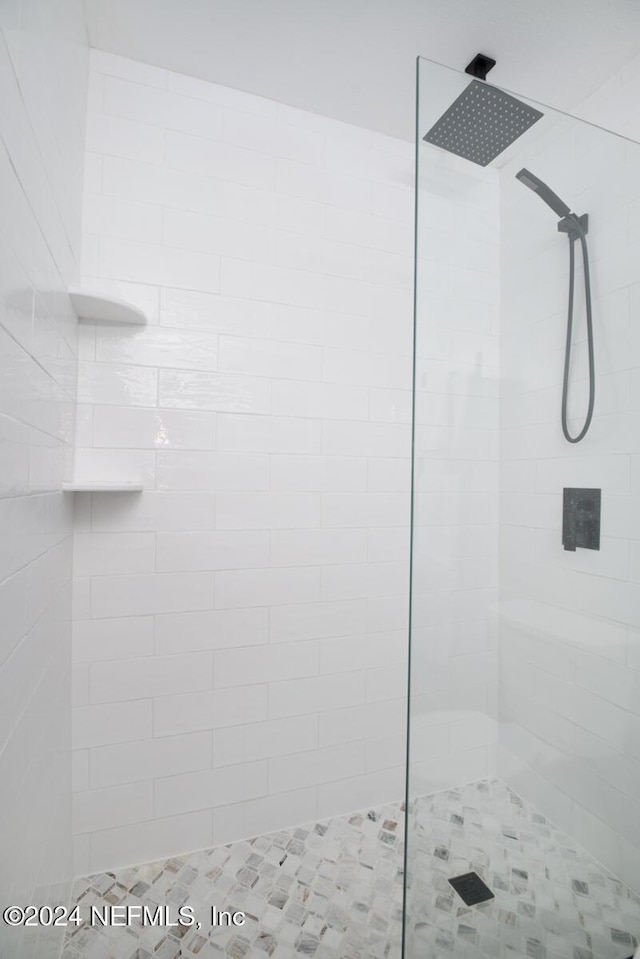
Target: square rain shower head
[481, 123]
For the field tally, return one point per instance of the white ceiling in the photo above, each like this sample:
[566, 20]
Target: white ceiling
[354, 60]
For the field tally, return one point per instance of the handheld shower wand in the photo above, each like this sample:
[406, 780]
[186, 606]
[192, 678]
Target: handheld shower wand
[576, 227]
[544, 192]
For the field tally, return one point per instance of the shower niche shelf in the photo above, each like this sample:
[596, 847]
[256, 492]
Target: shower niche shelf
[104, 308]
[102, 486]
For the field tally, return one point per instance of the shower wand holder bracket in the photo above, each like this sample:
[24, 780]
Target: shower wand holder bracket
[568, 225]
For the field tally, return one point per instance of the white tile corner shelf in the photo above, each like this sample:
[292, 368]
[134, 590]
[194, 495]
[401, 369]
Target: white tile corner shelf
[103, 308]
[102, 486]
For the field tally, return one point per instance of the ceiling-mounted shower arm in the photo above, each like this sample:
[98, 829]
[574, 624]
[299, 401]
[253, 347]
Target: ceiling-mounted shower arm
[480, 66]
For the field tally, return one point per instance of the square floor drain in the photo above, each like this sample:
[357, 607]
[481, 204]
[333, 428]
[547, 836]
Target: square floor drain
[471, 888]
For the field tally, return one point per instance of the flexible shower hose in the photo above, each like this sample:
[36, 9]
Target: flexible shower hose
[567, 352]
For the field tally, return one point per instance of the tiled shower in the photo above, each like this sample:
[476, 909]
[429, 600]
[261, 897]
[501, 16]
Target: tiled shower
[256, 591]
[212, 545]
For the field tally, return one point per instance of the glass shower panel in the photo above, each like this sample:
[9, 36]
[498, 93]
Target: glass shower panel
[523, 774]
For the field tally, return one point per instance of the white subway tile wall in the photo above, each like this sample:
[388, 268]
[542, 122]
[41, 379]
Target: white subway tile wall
[568, 624]
[43, 86]
[235, 660]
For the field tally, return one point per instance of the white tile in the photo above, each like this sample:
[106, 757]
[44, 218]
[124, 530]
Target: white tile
[117, 806]
[307, 547]
[220, 392]
[142, 841]
[13, 608]
[110, 384]
[366, 439]
[97, 640]
[43, 75]
[267, 510]
[195, 154]
[154, 511]
[365, 509]
[257, 816]
[298, 472]
[374, 232]
[270, 663]
[393, 202]
[297, 697]
[124, 219]
[121, 137]
[146, 593]
[362, 722]
[79, 684]
[312, 768]
[225, 96]
[80, 770]
[149, 759]
[192, 470]
[266, 587]
[118, 681]
[382, 752]
[236, 549]
[320, 255]
[92, 174]
[270, 358]
[300, 325]
[115, 427]
[633, 648]
[273, 434]
[162, 108]
[277, 737]
[390, 406]
[174, 715]
[364, 580]
[357, 792]
[103, 553]
[353, 652]
[386, 683]
[473, 731]
[158, 265]
[319, 400]
[315, 620]
[199, 790]
[367, 369]
[390, 544]
[150, 183]
[189, 309]
[613, 683]
[101, 725]
[280, 139]
[324, 186]
[212, 629]
[224, 236]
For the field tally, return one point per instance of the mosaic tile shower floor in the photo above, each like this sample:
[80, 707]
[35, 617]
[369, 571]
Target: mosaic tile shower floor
[333, 890]
[552, 899]
[330, 890]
